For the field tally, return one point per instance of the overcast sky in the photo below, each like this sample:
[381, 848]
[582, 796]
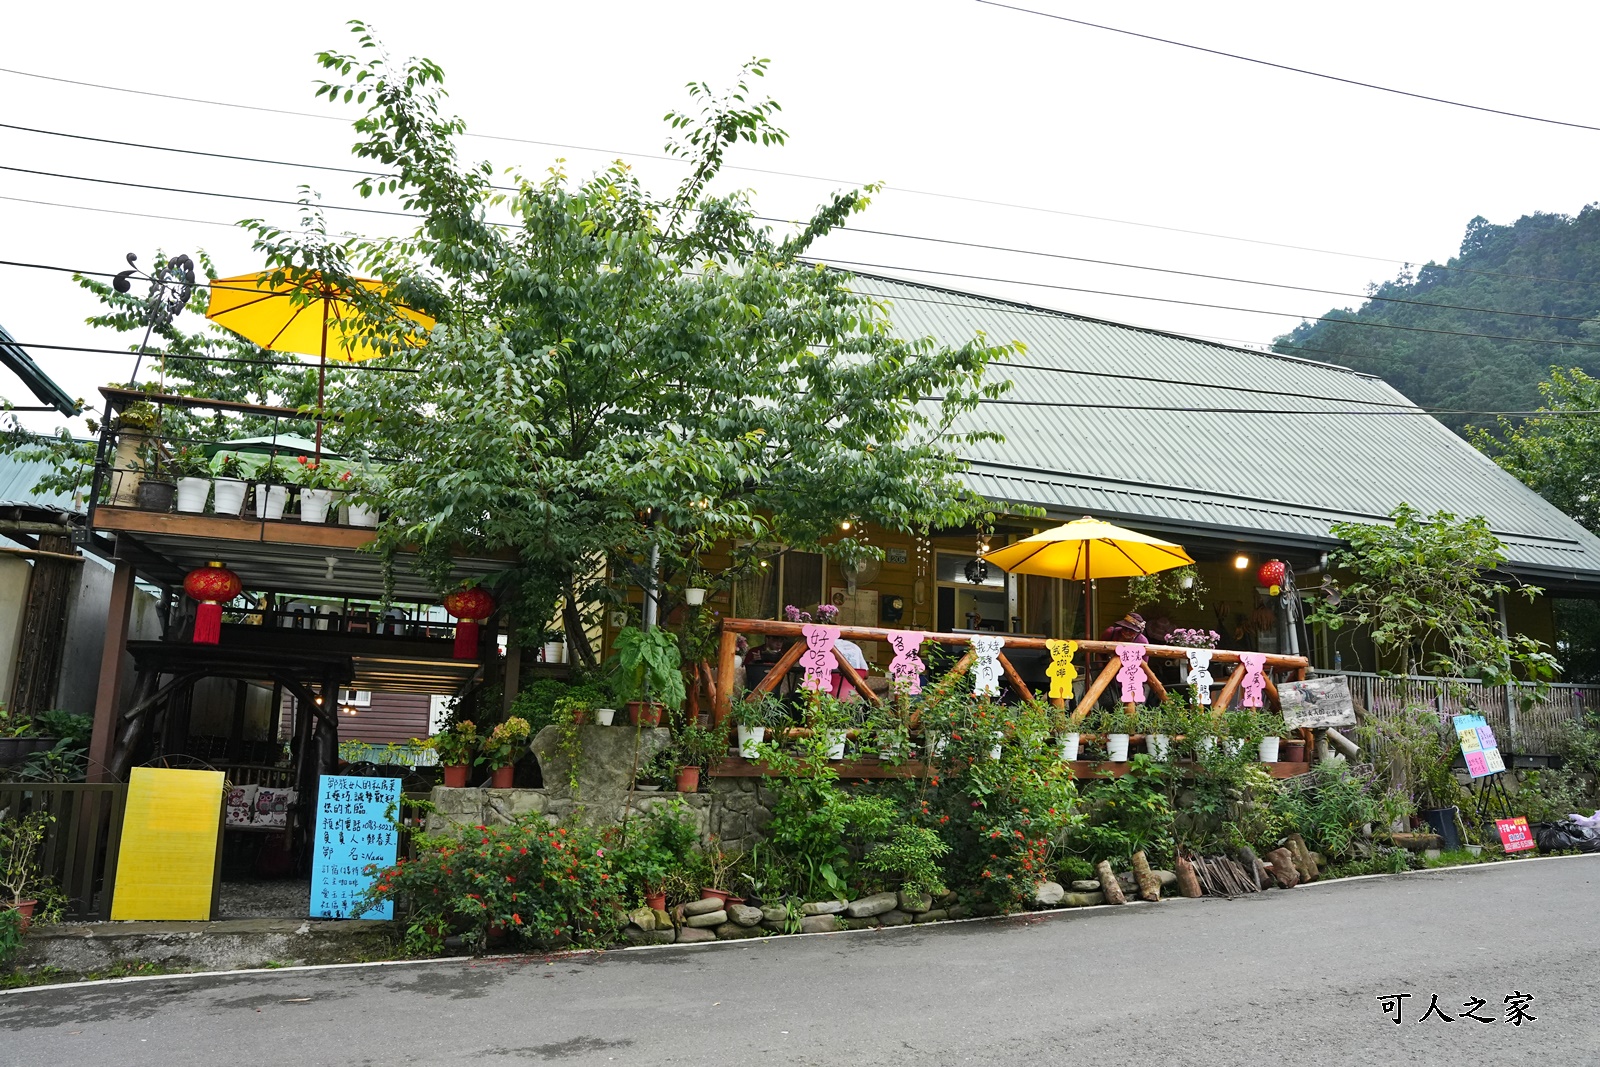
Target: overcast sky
[942, 96]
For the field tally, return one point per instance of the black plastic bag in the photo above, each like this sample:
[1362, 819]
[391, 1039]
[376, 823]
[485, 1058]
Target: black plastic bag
[1565, 836]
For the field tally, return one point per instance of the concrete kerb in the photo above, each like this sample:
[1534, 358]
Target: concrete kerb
[1047, 913]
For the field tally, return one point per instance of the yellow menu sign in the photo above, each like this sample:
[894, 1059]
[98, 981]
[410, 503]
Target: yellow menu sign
[167, 862]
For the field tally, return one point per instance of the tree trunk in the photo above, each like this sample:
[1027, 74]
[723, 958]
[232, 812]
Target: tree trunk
[1303, 860]
[1108, 883]
[1149, 883]
[1283, 871]
[1188, 884]
[1254, 867]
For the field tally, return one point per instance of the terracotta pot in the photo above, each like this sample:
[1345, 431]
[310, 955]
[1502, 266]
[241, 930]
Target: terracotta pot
[503, 776]
[642, 714]
[688, 779]
[658, 901]
[707, 893]
[455, 776]
[25, 909]
[1292, 751]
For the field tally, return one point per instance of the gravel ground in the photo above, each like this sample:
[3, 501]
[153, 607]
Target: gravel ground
[284, 898]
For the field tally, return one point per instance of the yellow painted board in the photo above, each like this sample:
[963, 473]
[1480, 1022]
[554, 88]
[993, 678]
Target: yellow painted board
[171, 827]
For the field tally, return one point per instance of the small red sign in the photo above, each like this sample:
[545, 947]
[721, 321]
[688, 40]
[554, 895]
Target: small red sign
[1514, 834]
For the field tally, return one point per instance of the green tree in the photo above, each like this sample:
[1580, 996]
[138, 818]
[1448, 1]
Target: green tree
[1426, 588]
[615, 371]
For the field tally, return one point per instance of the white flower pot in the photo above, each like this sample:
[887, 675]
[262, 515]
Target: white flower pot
[694, 597]
[749, 738]
[192, 494]
[229, 496]
[1117, 748]
[1069, 747]
[605, 715]
[314, 504]
[1269, 749]
[994, 750]
[937, 743]
[361, 515]
[1206, 746]
[271, 500]
[555, 652]
[1159, 746]
[1235, 745]
[835, 747]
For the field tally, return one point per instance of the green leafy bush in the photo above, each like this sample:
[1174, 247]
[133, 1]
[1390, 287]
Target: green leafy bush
[1125, 815]
[1002, 817]
[1331, 810]
[659, 853]
[525, 881]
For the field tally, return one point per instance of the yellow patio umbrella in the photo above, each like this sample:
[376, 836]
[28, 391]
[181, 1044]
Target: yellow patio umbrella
[310, 315]
[1089, 548]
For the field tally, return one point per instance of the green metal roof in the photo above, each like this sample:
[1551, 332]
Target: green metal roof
[38, 382]
[1278, 477]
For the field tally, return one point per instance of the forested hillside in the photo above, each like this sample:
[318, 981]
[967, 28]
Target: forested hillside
[1535, 281]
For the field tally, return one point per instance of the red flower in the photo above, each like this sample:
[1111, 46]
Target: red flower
[516, 918]
[524, 851]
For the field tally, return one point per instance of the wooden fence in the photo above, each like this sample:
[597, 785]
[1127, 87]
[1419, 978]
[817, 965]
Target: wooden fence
[1287, 666]
[80, 845]
[1526, 725]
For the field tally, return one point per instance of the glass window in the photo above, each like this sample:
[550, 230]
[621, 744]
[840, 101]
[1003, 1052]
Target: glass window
[952, 567]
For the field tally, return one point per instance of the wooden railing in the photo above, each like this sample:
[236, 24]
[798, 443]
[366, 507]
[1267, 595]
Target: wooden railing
[80, 845]
[1293, 666]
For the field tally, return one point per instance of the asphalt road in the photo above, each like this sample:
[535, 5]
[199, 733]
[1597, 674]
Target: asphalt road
[1283, 978]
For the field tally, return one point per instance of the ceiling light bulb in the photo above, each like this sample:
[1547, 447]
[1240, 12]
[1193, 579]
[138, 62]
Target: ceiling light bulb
[1241, 561]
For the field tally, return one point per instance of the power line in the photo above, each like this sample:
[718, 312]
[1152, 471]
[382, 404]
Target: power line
[861, 230]
[1286, 67]
[1099, 292]
[1213, 277]
[1258, 411]
[299, 364]
[1009, 205]
[850, 229]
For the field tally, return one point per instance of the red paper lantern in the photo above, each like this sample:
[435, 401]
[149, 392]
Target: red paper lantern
[1270, 574]
[213, 585]
[472, 606]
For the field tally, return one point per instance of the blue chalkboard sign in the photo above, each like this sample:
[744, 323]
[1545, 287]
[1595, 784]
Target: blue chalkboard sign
[352, 833]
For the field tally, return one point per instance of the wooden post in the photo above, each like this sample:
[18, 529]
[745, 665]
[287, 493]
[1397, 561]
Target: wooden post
[1015, 679]
[722, 706]
[1098, 686]
[103, 739]
[512, 684]
[1229, 688]
[853, 676]
[236, 727]
[1155, 683]
[790, 657]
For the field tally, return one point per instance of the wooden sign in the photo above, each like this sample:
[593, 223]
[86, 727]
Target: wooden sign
[1514, 834]
[171, 833]
[1317, 702]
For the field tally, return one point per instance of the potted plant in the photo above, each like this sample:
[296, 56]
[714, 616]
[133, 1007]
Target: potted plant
[1242, 728]
[1158, 729]
[271, 490]
[1120, 725]
[134, 425]
[693, 748]
[1267, 747]
[228, 485]
[358, 492]
[719, 865]
[829, 721]
[502, 748]
[1292, 749]
[20, 876]
[752, 717]
[155, 490]
[648, 666]
[317, 492]
[457, 746]
[193, 471]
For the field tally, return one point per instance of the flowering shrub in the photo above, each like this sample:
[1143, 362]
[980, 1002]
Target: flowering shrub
[505, 743]
[457, 744]
[527, 881]
[1002, 817]
[1193, 638]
